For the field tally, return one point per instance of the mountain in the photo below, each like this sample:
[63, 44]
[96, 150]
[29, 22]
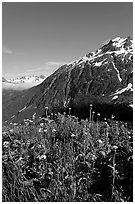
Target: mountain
[103, 78]
[21, 83]
[3, 79]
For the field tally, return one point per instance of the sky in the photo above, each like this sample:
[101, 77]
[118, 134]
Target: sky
[39, 37]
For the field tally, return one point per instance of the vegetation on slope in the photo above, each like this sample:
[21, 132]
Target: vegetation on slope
[62, 159]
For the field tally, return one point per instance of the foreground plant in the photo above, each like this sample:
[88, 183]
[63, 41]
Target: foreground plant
[64, 160]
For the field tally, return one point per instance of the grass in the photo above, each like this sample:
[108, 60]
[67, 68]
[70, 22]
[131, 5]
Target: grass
[63, 160]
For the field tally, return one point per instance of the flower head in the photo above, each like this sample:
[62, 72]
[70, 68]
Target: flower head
[72, 135]
[115, 147]
[15, 124]
[45, 130]
[34, 116]
[93, 157]
[100, 141]
[53, 130]
[6, 144]
[43, 157]
[40, 130]
[41, 124]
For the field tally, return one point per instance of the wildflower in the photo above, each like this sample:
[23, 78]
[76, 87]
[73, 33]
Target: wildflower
[28, 142]
[98, 114]
[40, 130]
[115, 147]
[4, 133]
[93, 157]
[129, 132]
[67, 176]
[26, 123]
[53, 130]
[11, 130]
[41, 124]
[72, 135]
[17, 141]
[6, 144]
[100, 141]
[20, 161]
[34, 116]
[43, 157]
[20, 158]
[85, 133]
[69, 111]
[103, 153]
[45, 130]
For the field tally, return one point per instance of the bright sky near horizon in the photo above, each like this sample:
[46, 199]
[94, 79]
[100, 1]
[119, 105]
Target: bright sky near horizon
[38, 37]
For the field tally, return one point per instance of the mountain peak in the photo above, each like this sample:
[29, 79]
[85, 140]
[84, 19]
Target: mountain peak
[117, 46]
[101, 77]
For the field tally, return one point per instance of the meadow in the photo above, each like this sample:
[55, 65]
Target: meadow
[59, 158]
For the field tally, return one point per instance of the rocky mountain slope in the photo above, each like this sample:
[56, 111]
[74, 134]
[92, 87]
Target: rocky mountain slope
[103, 78]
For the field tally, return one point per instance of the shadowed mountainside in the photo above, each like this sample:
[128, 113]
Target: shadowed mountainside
[103, 78]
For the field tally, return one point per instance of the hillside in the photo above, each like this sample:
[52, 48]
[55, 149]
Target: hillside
[103, 78]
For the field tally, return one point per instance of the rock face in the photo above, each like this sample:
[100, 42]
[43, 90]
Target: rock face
[101, 77]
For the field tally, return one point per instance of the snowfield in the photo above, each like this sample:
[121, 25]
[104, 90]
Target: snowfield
[23, 82]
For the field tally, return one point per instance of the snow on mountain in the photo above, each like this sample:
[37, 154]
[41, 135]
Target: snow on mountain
[21, 83]
[128, 88]
[101, 77]
[117, 47]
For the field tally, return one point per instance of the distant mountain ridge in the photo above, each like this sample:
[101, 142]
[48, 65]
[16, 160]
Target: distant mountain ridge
[23, 82]
[101, 77]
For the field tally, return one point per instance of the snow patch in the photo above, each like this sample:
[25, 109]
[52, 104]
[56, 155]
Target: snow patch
[22, 109]
[120, 79]
[23, 82]
[115, 97]
[116, 39]
[118, 42]
[99, 63]
[129, 87]
[131, 105]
